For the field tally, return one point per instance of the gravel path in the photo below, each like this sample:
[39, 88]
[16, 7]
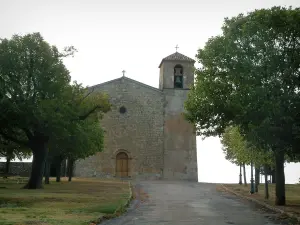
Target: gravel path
[177, 203]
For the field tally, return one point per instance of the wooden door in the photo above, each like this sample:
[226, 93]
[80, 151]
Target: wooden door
[122, 165]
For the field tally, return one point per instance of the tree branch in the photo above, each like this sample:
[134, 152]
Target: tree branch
[20, 142]
[2, 153]
[28, 133]
[81, 100]
[83, 117]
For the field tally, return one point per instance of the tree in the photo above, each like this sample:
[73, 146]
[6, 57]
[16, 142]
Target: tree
[239, 151]
[240, 176]
[235, 148]
[37, 101]
[84, 140]
[270, 171]
[11, 151]
[250, 78]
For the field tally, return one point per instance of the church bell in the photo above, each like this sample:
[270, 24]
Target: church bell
[177, 80]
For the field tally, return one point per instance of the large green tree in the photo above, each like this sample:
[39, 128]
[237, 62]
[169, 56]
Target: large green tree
[249, 77]
[37, 101]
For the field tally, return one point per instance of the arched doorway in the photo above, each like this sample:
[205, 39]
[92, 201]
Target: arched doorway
[122, 165]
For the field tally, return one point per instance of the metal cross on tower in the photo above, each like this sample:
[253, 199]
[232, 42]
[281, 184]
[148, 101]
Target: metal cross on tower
[123, 73]
[176, 47]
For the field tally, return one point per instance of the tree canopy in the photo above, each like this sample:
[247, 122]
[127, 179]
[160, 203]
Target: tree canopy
[249, 77]
[12, 150]
[238, 151]
[85, 139]
[38, 104]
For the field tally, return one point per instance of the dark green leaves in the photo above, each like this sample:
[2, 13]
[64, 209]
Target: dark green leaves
[38, 101]
[249, 77]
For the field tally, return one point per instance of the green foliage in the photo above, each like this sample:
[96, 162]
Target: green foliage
[235, 147]
[85, 139]
[237, 150]
[39, 106]
[82, 135]
[250, 78]
[33, 81]
[36, 95]
[11, 150]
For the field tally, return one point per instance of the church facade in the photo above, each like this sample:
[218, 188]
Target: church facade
[146, 135]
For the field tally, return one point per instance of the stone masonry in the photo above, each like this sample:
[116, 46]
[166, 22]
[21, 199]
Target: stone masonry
[17, 168]
[138, 132]
[24, 169]
[150, 130]
[179, 135]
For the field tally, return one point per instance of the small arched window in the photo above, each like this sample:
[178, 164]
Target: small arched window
[178, 76]
[122, 110]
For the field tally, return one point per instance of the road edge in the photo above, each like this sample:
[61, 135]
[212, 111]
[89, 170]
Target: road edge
[260, 203]
[132, 203]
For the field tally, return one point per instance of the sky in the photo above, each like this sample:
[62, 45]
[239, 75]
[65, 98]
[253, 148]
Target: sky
[134, 35]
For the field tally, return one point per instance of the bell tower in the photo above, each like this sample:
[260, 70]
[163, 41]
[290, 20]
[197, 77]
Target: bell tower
[180, 152]
[176, 72]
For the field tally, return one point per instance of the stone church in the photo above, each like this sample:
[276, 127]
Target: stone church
[146, 135]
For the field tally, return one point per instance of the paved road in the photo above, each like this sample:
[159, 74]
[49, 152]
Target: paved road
[180, 203]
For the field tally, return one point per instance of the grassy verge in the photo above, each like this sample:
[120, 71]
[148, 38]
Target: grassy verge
[292, 195]
[78, 202]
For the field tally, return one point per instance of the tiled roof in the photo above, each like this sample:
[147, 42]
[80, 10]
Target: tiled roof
[176, 57]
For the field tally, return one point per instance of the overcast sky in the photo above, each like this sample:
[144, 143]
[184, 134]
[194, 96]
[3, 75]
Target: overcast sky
[134, 35]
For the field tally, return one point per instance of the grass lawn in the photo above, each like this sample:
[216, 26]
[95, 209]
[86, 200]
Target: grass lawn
[78, 202]
[292, 195]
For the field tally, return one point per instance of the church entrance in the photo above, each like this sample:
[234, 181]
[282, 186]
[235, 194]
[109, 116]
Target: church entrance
[122, 165]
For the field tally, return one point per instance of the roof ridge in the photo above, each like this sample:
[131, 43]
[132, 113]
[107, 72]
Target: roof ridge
[143, 84]
[127, 78]
[177, 56]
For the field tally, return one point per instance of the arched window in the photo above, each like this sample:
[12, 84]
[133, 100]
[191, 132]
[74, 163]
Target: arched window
[178, 76]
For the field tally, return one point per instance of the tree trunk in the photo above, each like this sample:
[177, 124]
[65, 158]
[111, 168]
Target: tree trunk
[66, 167]
[39, 152]
[240, 176]
[273, 174]
[280, 179]
[58, 170]
[245, 178]
[257, 169]
[47, 171]
[7, 165]
[70, 169]
[266, 183]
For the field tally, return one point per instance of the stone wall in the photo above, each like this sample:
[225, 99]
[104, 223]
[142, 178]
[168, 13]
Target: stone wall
[18, 168]
[24, 168]
[180, 151]
[138, 132]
